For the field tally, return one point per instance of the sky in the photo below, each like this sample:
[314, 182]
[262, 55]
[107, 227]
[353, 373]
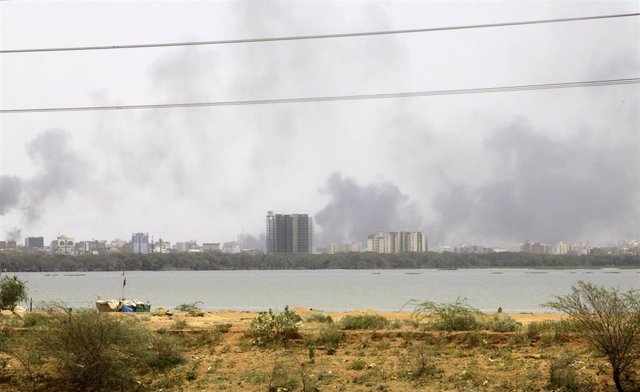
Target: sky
[493, 169]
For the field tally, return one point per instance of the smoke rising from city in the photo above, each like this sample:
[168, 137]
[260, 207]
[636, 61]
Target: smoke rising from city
[492, 169]
[354, 211]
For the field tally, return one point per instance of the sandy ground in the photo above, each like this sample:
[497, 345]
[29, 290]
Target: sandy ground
[241, 319]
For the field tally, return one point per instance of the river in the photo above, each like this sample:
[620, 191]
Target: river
[515, 290]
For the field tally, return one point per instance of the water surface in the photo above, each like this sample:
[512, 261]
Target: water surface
[515, 290]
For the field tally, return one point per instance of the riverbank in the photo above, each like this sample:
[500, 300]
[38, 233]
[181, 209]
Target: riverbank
[324, 355]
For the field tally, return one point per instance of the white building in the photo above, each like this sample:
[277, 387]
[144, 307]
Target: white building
[397, 242]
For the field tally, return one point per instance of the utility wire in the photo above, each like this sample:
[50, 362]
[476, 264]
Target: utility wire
[481, 90]
[318, 36]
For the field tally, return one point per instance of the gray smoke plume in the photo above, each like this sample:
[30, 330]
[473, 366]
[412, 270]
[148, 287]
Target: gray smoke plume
[10, 189]
[548, 190]
[252, 242]
[60, 170]
[14, 234]
[354, 211]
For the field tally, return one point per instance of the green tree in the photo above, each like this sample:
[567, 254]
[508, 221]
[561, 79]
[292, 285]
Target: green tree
[12, 291]
[610, 320]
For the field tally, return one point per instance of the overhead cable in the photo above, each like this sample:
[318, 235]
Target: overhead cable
[317, 36]
[481, 90]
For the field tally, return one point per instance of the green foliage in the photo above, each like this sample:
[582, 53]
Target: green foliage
[501, 323]
[192, 309]
[97, 352]
[14, 261]
[454, 316]
[317, 317]
[12, 291]
[565, 376]
[358, 364]
[364, 321]
[329, 337]
[283, 378]
[270, 327]
[610, 320]
[223, 328]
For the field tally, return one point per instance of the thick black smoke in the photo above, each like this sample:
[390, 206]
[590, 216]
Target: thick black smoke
[355, 211]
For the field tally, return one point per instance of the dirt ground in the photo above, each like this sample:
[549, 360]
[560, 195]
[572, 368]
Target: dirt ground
[220, 356]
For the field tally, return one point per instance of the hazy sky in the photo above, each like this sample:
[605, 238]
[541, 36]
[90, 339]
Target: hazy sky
[495, 169]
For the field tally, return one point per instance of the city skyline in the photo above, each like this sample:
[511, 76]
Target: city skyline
[496, 169]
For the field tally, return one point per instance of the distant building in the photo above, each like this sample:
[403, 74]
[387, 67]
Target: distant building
[232, 247]
[345, 247]
[211, 247]
[188, 246]
[536, 248]
[289, 233]
[160, 246]
[8, 245]
[397, 242]
[63, 245]
[561, 248]
[34, 242]
[93, 247]
[140, 243]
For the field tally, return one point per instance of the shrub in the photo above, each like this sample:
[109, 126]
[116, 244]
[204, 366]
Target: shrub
[364, 321]
[192, 309]
[223, 328]
[329, 337]
[319, 318]
[564, 376]
[269, 327]
[358, 364]
[610, 320]
[98, 352]
[454, 316]
[502, 323]
[12, 291]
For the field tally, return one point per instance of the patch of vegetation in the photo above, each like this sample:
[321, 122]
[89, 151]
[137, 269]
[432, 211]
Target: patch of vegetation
[454, 316]
[610, 320]
[501, 323]
[364, 321]
[12, 291]
[358, 364]
[97, 352]
[223, 328]
[565, 376]
[318, 317]
[271, 327]
[192, 309]
[329, 337]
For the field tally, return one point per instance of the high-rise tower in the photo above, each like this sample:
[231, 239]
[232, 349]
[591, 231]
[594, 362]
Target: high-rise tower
[289, 233]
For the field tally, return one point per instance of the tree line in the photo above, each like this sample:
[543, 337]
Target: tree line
[43, 262]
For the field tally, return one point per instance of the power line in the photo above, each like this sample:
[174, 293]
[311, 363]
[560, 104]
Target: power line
[318, 36]
[481, 90]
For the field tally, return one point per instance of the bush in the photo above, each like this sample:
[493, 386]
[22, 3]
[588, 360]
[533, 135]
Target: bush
[12, 291]
[223, 328]
[564, 375]
[502, 323]
[329, 337]
[319, 318]
[609, 319]
[98, 352]
[454, 316]
[192, 309]
[364, 321]
[358, 364]
[269, 327]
